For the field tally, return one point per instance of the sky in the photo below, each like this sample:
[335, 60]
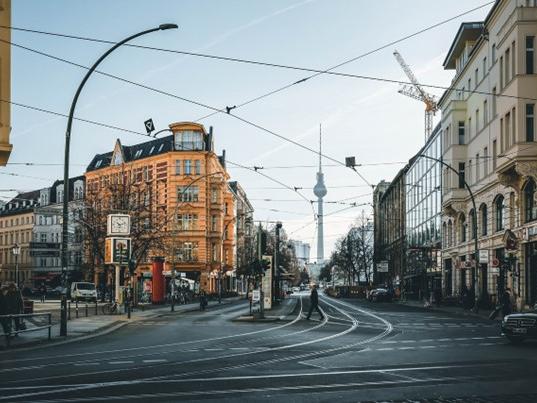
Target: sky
[362, 118]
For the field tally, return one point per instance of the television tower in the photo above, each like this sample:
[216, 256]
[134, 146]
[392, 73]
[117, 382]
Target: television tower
[320, 191]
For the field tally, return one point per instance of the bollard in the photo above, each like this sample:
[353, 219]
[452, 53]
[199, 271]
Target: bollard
[86, 310]
[76, 308]
[49, 325]
[96, 313]
[129, 309]
[69, 311]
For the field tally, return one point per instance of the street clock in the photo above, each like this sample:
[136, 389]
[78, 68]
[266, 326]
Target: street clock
[119, 224]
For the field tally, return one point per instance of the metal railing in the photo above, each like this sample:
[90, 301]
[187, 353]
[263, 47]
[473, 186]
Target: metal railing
[14, 318]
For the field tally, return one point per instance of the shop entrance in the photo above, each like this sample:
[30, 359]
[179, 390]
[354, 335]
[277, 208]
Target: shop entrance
[531, 273]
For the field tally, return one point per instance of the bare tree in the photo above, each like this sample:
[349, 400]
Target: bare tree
[125, 192]
[353, 255]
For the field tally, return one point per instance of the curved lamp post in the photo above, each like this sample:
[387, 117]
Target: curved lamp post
[474, 229]
[16, 250]
[65, 216]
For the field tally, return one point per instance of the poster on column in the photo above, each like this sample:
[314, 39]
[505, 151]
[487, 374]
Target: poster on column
[267, 285]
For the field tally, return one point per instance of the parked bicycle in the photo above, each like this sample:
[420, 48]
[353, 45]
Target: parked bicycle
[110, 308]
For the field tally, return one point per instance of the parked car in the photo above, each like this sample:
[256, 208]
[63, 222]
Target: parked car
[57, 291]
[296, 289]
[83, 291]
[519, 326]
[380, 294]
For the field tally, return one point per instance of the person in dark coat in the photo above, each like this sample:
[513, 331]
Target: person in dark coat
[43, 292]
[314, 303]
[507, 307]
[6, 325]
[14, 304]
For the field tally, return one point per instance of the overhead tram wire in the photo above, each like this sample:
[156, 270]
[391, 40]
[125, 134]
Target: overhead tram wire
[200, 104]
[93, 122]
[238, 60]
[280, 183]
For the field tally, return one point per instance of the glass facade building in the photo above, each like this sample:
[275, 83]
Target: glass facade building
[423, 219]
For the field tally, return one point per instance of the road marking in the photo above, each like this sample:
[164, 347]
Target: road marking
[487, 344]
[389, 342]
[213, 349]
[448, 339]
[83, 364]
[120, 362]
[408, 341]
[385, 349]
[426, 347]
[406, 348]
[239, 348]
[153, 361]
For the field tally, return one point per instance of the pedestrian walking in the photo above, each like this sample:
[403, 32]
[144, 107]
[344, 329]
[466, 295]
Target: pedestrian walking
[203, 300]
[6, 323]
[507, 307]
[14, 305]
[42, 291]
[314, 303]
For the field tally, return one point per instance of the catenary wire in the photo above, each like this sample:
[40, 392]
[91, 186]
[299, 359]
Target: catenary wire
[389, 44]
[200, 104]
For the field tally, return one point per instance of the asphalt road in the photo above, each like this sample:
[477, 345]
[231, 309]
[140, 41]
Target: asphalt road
[361, 352]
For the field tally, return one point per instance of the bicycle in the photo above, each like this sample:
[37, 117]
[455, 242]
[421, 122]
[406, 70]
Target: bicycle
[110, 308]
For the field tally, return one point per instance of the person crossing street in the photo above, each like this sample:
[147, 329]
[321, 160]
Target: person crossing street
[314, 303]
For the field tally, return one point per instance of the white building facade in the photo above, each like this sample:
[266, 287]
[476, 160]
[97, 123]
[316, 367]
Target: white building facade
[489, 137]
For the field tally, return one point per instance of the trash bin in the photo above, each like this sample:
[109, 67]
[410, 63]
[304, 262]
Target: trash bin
[28, 306]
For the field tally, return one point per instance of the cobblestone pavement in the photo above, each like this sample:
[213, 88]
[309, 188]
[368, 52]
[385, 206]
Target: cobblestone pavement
[515, 398]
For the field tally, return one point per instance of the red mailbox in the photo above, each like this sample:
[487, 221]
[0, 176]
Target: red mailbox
[159, 284]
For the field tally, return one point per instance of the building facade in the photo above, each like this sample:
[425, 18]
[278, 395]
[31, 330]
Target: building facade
[17, 220]
[47, 233]
[488, 134]
[302, 250]
[5, 82]
[182, 210]
[245, 246]
[390, 231]
[423, 180]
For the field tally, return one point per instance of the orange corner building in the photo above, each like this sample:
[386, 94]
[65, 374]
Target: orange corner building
[182, 211]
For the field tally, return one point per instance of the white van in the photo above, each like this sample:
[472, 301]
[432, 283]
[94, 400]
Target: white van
[83, 291]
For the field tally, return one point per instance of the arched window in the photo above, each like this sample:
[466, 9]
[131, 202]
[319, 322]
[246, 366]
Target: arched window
[444, 235]
[484, 219]
[473, 223]
[530, 207]
[462, 228]
[498, 213]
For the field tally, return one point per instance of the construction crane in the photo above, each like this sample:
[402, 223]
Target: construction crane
[417, 92]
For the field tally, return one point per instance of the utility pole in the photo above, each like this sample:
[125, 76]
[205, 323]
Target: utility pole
[275, 270]
[260, 278]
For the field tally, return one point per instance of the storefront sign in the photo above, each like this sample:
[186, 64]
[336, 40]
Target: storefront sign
[256, 295]
[382, 267]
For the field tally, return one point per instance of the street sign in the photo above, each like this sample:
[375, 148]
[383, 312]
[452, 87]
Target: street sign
[483, 256]
[117, 250]
[149, 126]
[266, 284]
[256, 295]
[382, 267]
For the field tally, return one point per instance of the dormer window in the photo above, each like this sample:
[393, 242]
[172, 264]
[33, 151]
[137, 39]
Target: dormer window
[98, 164]
[189, 140]
[138, 153]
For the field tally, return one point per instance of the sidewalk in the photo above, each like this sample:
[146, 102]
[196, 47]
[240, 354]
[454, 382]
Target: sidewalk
[93, 326]
[278, 312]
[455, 310]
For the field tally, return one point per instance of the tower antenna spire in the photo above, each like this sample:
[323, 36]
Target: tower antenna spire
[320, 147]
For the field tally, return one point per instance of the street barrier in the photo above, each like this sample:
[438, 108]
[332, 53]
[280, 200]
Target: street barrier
[7, 322]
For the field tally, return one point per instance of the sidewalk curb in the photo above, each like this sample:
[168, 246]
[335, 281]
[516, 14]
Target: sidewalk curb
[111, 327]
[458, 313]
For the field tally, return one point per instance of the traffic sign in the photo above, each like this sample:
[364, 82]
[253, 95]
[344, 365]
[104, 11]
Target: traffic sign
[483, 256]
[149, 126]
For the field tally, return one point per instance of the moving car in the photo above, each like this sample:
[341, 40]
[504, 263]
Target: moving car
[83, 291]
[519, 326]
[379, 294]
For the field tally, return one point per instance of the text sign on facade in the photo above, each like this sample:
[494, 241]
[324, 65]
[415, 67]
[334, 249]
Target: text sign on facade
[484, 256]
[382, 267]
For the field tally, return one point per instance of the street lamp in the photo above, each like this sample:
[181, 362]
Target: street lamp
[65, 214]
[16, 250]
[474, 227]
